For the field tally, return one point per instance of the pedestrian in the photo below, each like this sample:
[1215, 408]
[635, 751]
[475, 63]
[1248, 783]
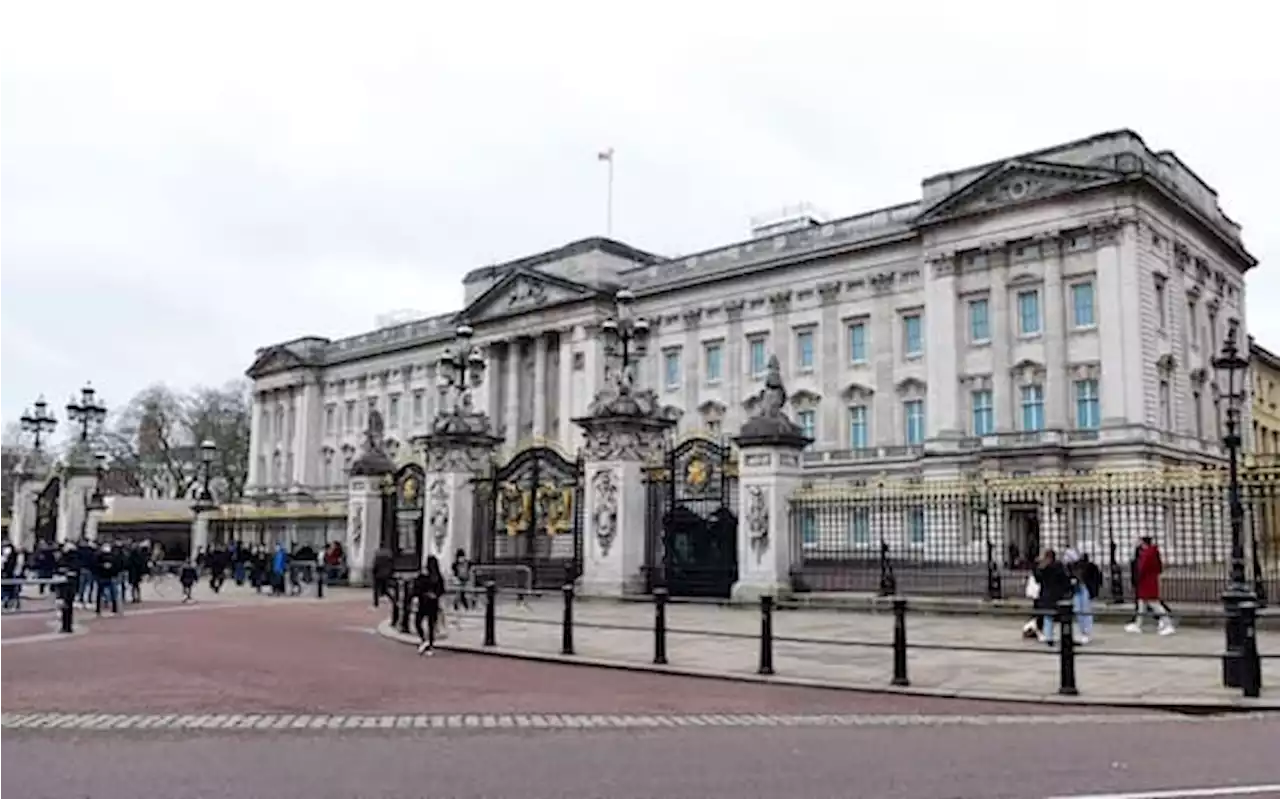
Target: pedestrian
[279, 563]
[106, 573]
[136, 569]
[462, 580]
[1147, 568]
[1087, 581]
[384, 568]
[428, 587]
[190, 573]
[12, 568]
[1055, 585]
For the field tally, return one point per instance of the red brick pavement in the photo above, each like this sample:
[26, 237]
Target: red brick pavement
[310, 657]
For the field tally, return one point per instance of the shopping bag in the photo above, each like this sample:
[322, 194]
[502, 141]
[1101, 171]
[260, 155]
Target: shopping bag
[1033, 587]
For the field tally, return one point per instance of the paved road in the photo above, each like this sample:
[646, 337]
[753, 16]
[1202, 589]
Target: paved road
[292, 656]
[884, 761]
[311, 704]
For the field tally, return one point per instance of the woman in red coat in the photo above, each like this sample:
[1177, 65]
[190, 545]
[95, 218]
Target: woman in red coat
[1147, 569]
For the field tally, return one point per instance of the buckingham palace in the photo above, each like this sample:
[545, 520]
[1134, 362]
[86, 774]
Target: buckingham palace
[1056, 309]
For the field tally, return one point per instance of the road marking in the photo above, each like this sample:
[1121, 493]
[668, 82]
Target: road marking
[1183, 793]
[497, 722]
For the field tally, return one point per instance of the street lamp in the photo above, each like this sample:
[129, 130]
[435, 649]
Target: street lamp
[1233, 366]
[204, 498]
[88, 412]
[461, 368]
[626, 338]
[38, 424]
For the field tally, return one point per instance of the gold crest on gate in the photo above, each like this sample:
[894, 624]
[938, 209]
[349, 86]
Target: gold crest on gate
[409, 490]
[697, 474]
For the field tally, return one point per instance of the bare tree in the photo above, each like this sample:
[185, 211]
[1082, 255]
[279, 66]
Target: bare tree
[222, 415]
[153, 443]
[12, 451]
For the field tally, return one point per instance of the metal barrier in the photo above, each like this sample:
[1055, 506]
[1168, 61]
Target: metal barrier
[1242, 659]
[508, 578]
[63, 592]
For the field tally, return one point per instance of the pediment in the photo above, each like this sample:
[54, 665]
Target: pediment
[274, 359]
[857, 391]
[1014, 183]
[712, 409]
[910, 385]
[804, 398]
[523, 291]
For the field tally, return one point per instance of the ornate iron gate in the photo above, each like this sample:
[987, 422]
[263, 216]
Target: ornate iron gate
[692, 526]
[402, 517]
[529, 513]
[47, 511]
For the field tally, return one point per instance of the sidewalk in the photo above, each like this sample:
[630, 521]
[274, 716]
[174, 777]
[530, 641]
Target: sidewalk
[1117, 668]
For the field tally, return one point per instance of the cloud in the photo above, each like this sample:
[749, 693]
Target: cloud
[181, 186]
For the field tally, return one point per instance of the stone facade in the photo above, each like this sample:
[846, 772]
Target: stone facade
[1053, 310]
[1264, 375]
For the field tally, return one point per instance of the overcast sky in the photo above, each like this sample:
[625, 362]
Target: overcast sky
[180, 188]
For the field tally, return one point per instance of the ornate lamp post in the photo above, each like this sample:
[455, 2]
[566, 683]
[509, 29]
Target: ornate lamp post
[626, 339]
[1233, 367]
[204, 497]
[461, 369]
[38, 423]
[88, 412]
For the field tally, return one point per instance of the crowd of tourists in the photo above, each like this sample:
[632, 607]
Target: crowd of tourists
[277, 569]
[1075, 577]
[100, 573]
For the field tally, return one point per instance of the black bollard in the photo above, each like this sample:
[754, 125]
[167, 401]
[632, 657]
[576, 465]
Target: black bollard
[1066, 649]
[320, 583]
[1250, 660]
[566, 625]
[490, 613]
[660, 626]
[68, 603]
[900, 643]
[395, 602]
[766, 635]
[406, 599]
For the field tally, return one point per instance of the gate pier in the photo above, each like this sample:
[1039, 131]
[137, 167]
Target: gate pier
[769, 471]
[460, 446]
[621, 438]
[371, 493]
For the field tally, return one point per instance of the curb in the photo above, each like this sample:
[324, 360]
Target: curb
[1190, 707]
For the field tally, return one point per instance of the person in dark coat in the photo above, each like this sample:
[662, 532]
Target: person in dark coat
[188, 576]
[1055, 585]
[384, 568]
[428, 588]
[106, 573]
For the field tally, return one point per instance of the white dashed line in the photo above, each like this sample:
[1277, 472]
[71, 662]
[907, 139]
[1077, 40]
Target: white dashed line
[95, 722]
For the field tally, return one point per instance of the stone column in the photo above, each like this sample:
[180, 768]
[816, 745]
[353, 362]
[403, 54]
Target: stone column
[92, 518]
[832, 362]
[256, 432]
[1057, 415]
[734, 366]
[200, 518]
[78, 483]
[566, 399]
[540, 387]
[460, 446]
[941, 350]
[512, 397]
[1003, 329]
[769, 472]
[365, 501]
[617, 448]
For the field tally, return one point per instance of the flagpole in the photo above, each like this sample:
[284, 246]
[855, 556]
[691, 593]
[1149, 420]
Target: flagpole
[607, 157]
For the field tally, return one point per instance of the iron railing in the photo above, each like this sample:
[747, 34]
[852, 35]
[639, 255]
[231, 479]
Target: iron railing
[979, 536]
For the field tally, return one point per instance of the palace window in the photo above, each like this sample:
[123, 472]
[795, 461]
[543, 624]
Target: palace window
[979, 321]
[671, 368]
[808, 420]
[712, 356]
[858, 427]
[1033, 408]
[984, 421]
[804, 349]
[757, 361]
[1087, 414]
[912, 335]
[393, 412]
[858, 342]
[1028, 312]
[1082, 305]
[913, 414]
[330, 419]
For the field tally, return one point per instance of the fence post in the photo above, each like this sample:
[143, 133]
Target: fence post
[68, 589]
[888, 583]
[900, 643]
[660, 626]
[994, 587]
[766, 635]
[1067, 649]
[490, 613]
[1250, 660]
[406, 599]
[566, 625]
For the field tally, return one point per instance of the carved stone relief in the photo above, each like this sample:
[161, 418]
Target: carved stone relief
[438, 513]
[604, 509]
[758, 520]
[628, 444]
